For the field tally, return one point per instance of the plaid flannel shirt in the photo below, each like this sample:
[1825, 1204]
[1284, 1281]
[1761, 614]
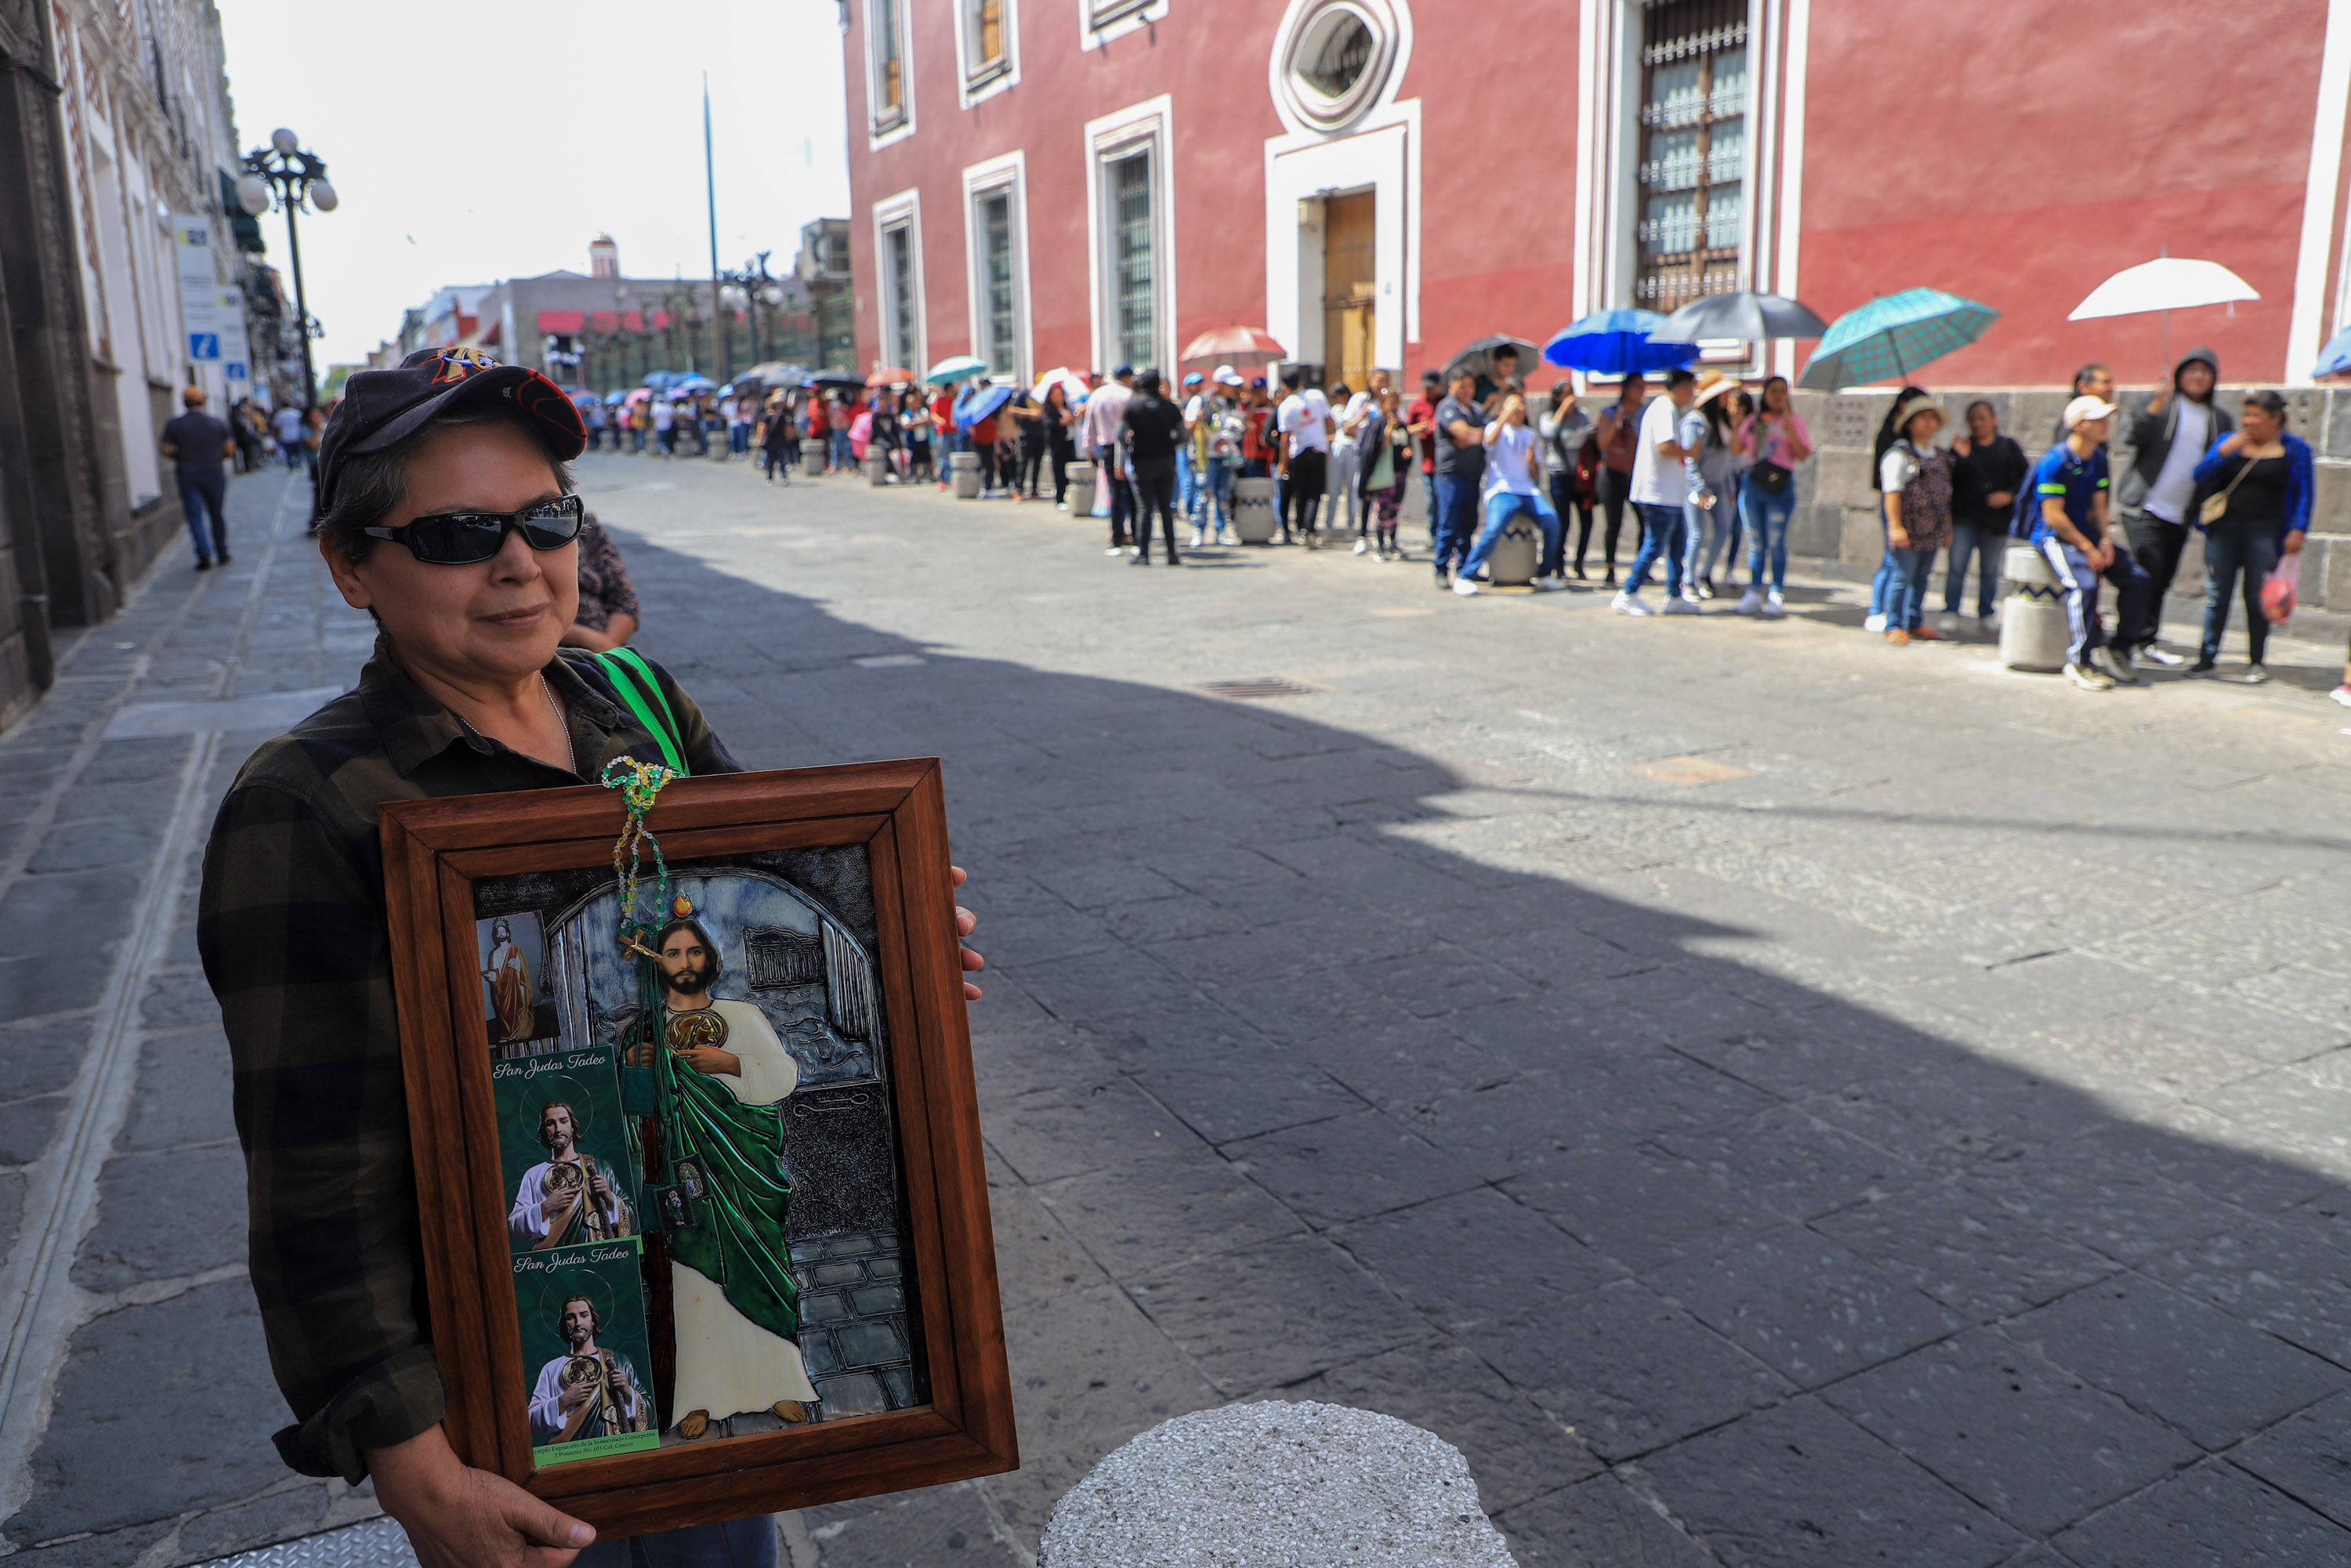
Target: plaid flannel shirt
[294, 940]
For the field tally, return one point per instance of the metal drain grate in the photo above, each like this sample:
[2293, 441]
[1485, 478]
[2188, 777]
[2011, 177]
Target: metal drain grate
[1259, 688]
[378, 1544]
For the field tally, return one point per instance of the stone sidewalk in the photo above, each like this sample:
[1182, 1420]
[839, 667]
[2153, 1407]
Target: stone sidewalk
[1766, 1097]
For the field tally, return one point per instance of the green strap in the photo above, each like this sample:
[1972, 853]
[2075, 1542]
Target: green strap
[633, 678]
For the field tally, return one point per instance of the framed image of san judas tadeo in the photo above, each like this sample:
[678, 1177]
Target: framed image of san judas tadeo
[696, 1141]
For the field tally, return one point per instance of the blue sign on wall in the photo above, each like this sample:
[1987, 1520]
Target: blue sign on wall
[235, 371]
[203, 345]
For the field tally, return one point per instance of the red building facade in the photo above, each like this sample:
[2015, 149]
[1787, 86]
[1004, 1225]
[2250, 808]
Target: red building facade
[1376, 182]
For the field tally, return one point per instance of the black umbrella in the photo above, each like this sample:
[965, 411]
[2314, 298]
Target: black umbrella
[1478, 357]
[836, 378]
[1746, 315]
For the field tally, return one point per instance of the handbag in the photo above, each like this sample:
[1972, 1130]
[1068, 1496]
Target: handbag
[2215, 508]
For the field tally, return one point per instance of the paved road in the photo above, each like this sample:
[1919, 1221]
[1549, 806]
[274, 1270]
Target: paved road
[1767, 1097]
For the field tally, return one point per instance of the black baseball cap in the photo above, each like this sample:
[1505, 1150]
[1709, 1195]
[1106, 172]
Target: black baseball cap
[380, 407]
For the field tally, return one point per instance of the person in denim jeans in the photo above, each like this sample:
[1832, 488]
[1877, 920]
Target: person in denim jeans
[1774, 436]
[1915, 476]
[1712, 487]
[1986, 470]
[1888, 434]
[1657, 490]
[2265, 474]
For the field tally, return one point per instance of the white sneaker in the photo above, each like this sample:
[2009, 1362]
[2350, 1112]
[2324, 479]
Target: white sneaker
[1776, 606]
[1629, 604]
[1362, 547]
[1195, 539]
[1682, 607]
[1873, 623]
[2256, 675]
[1115, 549]
[1550, 584]
[1750, 603]
[1466, 587]
[2163, 656]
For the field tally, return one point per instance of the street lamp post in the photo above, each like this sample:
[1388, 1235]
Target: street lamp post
[746, 289]
[284, 173]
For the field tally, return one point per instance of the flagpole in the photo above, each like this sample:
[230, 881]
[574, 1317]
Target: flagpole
[710, 193]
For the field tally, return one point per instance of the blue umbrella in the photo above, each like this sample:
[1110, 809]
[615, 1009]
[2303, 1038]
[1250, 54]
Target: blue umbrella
[1616, 342]
[2335, 360]
[1894, 335]
[980, 407]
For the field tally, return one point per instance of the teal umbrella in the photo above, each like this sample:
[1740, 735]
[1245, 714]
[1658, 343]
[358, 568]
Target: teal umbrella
[955, 368]
[1893, 336]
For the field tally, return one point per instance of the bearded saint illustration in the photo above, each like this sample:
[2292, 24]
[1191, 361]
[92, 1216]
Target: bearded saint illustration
[588, 1391]
[569, 1197]
[508, 975]
[734, 1300]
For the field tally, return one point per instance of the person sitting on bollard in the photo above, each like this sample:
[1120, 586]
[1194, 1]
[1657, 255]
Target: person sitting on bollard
[2071, 533]
[1513, 483]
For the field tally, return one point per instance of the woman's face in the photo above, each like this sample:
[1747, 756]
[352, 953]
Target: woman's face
[495, 621]
[1923, 426]
[1982, 426]
[2261, 426]
[1775, 396]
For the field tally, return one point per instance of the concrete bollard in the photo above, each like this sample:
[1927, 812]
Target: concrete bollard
[2033, 634]
[963, 467]
[877, 467]
[812, 449]
[1516, 554]
[1253, 520]
[1082, 489]
[1306, 1484]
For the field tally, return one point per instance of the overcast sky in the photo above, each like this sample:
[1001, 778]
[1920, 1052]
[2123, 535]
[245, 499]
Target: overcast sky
[476, 140]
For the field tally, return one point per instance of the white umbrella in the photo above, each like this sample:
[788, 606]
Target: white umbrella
[2167, 284]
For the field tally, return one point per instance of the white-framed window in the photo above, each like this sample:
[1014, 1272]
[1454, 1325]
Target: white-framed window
[996, 230]
[1131, 216]
[1334, 59]
[890, 77]
[898, 278]
[987, 47]
[1100, 21]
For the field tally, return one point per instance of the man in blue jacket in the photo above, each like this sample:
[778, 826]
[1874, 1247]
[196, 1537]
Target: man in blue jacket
[2071, 482]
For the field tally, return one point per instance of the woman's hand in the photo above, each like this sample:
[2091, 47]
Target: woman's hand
[2293, 541]
[459, 1517]
[966, 924]
[2232, 444]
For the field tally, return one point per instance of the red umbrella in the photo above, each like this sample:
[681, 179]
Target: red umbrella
[887, 378]
[1234, 343]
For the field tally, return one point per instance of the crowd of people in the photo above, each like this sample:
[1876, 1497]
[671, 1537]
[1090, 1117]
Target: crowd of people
[1704, 465]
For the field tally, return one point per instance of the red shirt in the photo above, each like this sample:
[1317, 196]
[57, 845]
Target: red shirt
[943, 410]
[1253, 447]
[1420, 410]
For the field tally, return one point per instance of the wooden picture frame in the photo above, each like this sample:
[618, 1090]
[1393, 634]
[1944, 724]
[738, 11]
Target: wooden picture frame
[437, 855]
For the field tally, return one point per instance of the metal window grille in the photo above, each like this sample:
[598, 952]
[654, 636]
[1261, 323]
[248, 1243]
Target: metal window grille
[996, 226]
[1136, 269]
[1693, 164]
[901, 244]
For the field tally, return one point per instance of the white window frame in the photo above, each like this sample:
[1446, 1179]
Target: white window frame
[877, 134]
[1006, 176]
[905, 211]
[1145, 127]
[1101, 21]
[971, 87]
[1608, 151]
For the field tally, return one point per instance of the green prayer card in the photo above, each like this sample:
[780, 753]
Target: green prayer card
[704, 1096]
[581, 1313]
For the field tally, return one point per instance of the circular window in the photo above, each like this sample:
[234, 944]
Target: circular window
[1339, 58]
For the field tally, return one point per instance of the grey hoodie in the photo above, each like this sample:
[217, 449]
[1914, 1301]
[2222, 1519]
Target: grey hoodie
[2152, 433]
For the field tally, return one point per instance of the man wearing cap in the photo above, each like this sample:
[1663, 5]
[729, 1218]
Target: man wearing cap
[446, 512]
[1105, 411]
[2071, 531]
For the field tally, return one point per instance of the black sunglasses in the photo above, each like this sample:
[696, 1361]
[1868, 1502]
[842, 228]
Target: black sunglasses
[466, 539]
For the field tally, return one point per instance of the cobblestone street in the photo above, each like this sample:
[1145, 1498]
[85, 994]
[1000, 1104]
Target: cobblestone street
[1767, 1097]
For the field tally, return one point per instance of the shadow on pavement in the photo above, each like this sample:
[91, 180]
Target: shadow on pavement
[1695, 1261]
